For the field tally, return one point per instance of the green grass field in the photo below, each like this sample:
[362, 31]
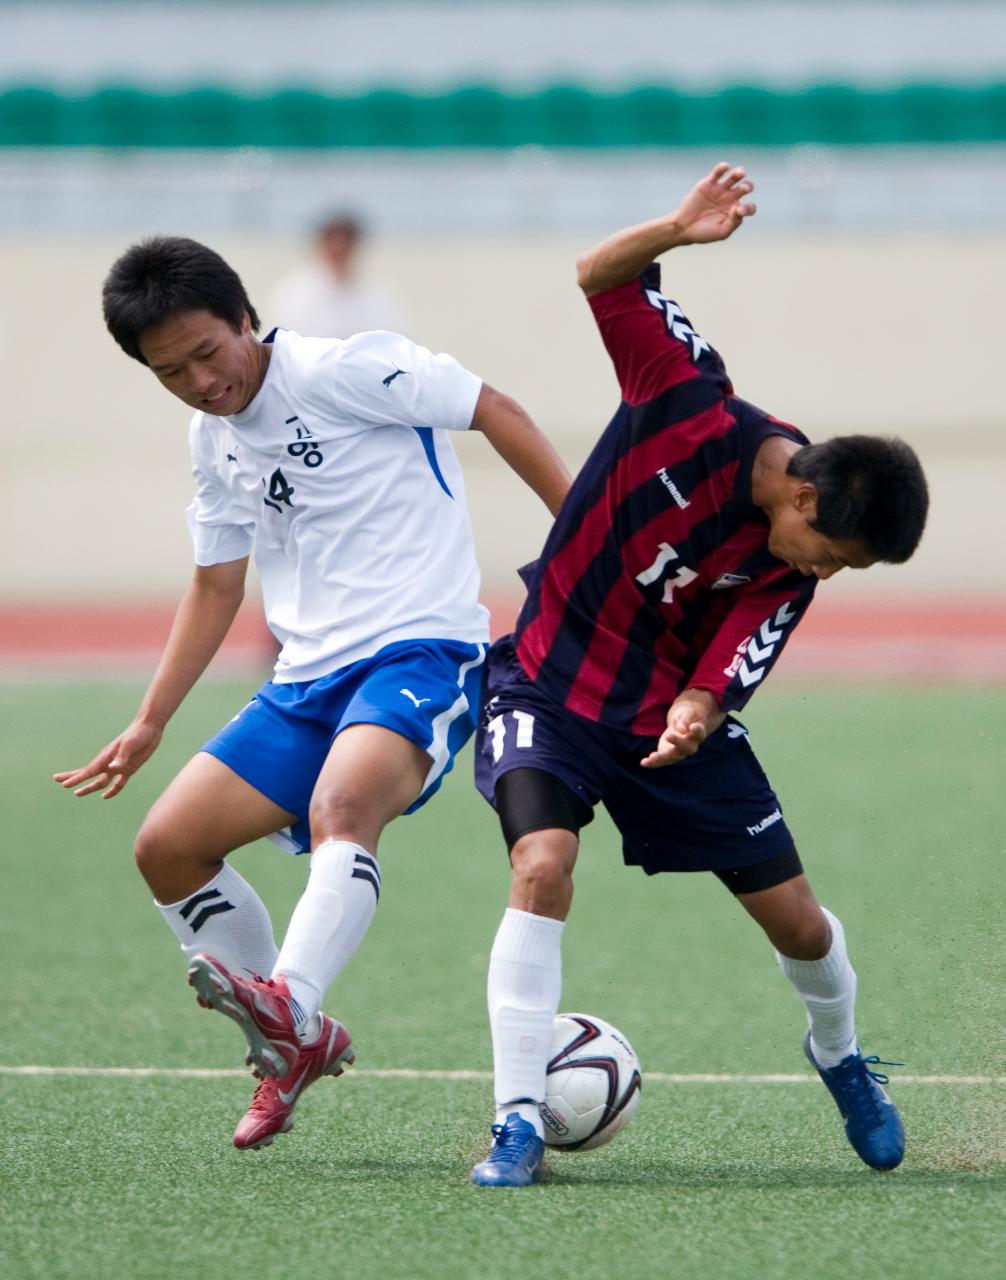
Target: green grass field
[896, 797]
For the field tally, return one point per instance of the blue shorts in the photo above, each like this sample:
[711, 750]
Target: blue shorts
[714, 811]
[424, 690]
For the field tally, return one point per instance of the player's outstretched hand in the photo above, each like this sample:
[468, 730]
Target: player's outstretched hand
[693, 716]
[715, 207]
[114, 765]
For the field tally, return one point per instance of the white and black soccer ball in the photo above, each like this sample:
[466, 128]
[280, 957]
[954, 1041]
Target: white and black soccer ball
[593, 1083]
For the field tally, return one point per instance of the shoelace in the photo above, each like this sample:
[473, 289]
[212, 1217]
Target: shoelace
[874, 1061]
[506, 1146]
[260, 1101]
[266, 982]
[862, 1095]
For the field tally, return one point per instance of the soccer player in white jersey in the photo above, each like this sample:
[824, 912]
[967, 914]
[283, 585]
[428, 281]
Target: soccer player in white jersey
[330, 460]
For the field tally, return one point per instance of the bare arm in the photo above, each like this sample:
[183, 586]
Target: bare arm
[712, 210]
[202, 621]
[522, 446]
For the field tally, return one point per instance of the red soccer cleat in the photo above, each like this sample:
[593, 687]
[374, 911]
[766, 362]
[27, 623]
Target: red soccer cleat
[271, 1110]
[260, 1007]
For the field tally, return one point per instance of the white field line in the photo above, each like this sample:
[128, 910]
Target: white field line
[408, 1073]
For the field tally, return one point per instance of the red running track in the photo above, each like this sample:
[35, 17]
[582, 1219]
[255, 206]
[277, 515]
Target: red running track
[909, 639]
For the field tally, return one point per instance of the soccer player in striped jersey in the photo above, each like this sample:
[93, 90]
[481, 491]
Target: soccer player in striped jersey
[687, 550]
[332, 462]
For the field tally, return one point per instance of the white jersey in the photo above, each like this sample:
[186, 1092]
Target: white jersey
[342, 479]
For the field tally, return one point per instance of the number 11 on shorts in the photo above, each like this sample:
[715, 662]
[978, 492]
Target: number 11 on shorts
[525, 731]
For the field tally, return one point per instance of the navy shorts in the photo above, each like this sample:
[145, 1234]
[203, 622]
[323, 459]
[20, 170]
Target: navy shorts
[714, 811]
[425, 690]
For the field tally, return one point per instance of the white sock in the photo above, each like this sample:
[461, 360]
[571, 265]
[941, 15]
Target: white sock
[328, 924]
[311, 1030]
[526, 1110]
[225, 918]
[525, 983]
[828, 989]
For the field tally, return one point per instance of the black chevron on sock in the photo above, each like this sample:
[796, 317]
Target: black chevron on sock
[208, 912]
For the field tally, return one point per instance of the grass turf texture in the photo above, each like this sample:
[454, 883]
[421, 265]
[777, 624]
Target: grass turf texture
[895, 798]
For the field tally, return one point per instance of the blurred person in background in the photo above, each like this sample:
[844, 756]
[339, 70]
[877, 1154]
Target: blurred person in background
[330, 461]
[330, 297]
[687, 551]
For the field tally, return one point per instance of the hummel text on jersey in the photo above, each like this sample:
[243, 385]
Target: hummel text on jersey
[759, 827]
[673, 489]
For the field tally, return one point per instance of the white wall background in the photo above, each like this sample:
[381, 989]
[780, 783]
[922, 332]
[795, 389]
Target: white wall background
[896, 333]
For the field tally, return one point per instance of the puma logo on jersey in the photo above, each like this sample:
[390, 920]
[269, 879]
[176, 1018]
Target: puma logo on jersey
[392, 376]
[409, 694]
[232, 457]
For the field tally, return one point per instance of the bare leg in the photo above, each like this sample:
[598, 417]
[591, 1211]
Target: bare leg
[205, 813]
[372, 774]
[810, 948]
[791, 917]
[542, 879]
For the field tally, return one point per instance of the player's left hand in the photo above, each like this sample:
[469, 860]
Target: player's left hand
[693, 715]
[677, 742]
[715, 207]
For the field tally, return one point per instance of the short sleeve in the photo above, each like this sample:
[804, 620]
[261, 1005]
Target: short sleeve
[220, 532]
[386, 379]
[650, 340]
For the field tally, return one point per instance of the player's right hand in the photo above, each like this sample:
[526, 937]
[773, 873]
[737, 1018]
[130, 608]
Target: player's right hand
[115, 764]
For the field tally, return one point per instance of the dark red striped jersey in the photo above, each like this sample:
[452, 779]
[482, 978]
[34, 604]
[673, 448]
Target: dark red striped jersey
[657, 576]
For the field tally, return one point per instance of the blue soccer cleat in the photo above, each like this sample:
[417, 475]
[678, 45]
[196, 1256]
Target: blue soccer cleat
[872, 1123]
[516, 1157]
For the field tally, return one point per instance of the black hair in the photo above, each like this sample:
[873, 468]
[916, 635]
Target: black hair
[341, 224]
[162, 276]
[869, 488]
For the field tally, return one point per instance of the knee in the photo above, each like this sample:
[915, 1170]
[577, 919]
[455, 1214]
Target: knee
[806, 936]
[151, 849]
[344, 815]
[542, 881]
[170, 868]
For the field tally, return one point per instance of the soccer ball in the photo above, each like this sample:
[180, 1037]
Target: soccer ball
[592, 1086]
